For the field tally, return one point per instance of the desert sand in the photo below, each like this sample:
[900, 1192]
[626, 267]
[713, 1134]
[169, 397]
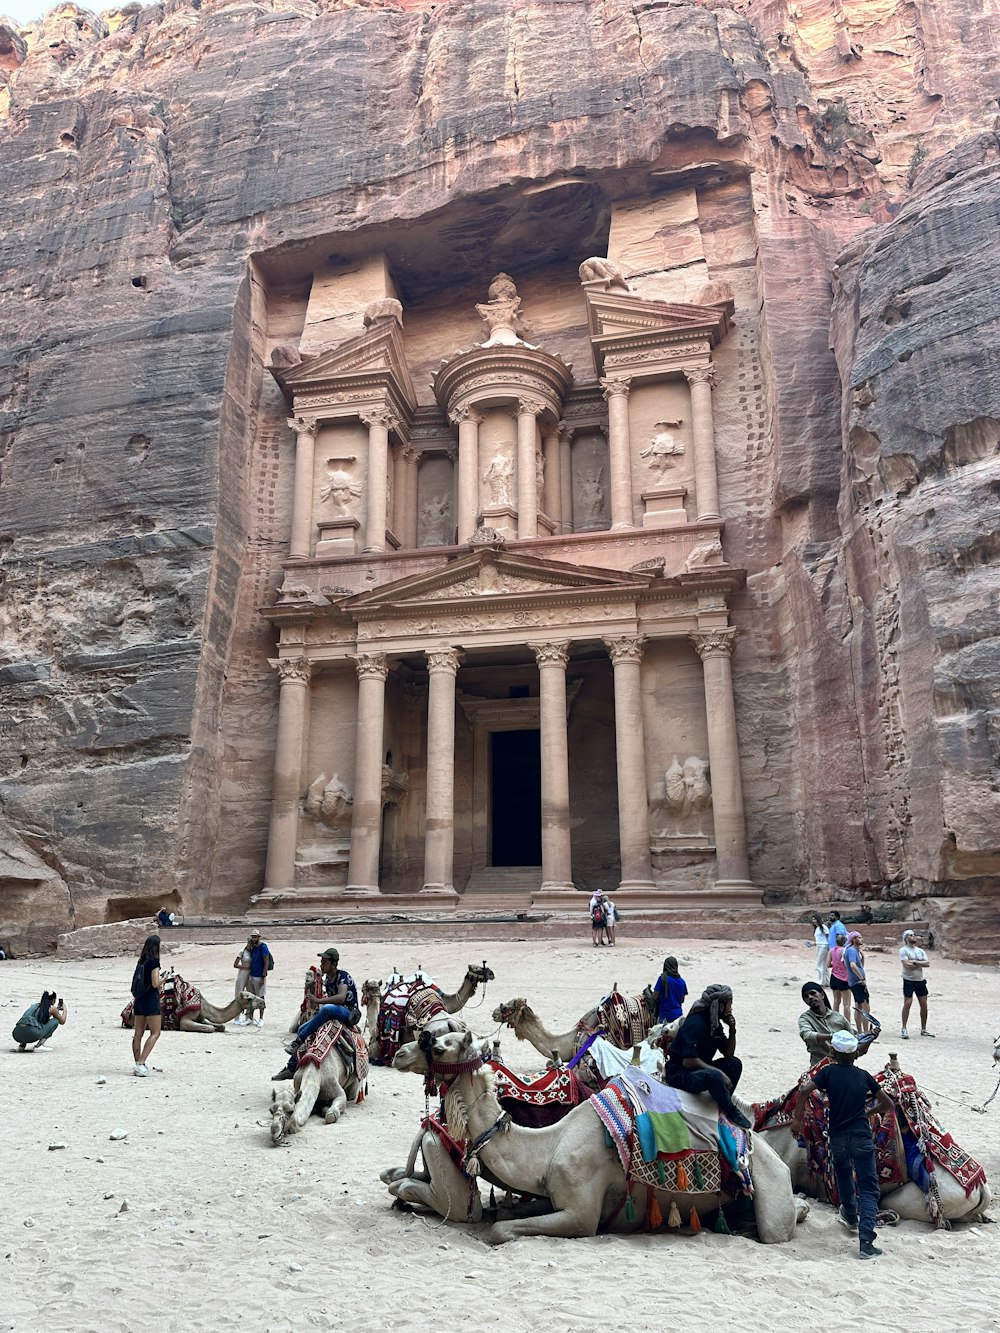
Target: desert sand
[223, 1231]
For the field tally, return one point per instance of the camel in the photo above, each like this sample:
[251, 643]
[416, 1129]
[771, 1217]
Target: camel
[325, 1087]
[907, 1200]
[185, 1009]
[410, 1006]
[527, 1026]
[569, 1163]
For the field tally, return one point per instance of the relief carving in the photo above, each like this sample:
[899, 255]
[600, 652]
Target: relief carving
[705, 553]
[329, 802]
[592, 496]
[502, 312]
[498, 478]
[664, 445]
[340, 487]
[678, 809]
[599, 269]
[435, 520]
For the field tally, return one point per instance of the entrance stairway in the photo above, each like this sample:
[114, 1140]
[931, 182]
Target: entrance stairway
[516, 883]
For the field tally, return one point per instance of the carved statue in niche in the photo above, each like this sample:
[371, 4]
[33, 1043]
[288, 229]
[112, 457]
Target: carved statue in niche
[502, 313]
[539, 474]
[599, 269]
[435, 520]
[340, 487]
[663, 446]
[705, 553]
[498, 478]
[329, 802]
[592, 494]
[686, 796]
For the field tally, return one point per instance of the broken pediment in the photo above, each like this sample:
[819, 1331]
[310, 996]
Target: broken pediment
[626, 328]
[491, 574]
[349, 371]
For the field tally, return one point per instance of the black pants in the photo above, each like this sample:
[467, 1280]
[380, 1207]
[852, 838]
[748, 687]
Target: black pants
[709, 1080]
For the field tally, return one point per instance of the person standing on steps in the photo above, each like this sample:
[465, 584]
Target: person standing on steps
[849, 1090]
[611, 920]
[146, 986]
[598, 916]
[708, 1030]
[914, 963]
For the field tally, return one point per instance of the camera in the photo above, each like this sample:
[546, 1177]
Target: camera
[59, 1003]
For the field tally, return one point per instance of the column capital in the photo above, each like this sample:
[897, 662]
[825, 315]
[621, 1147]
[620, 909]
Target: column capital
[618, 386]
[700, 375]
[714, 642]
[380, 416]
[408, 454]
[371, 665]
[446, 658]
[467, 413]
[556, 430]
[302, 426]
[297, 669]
[627, 648]
[529, 407]
[551, 654]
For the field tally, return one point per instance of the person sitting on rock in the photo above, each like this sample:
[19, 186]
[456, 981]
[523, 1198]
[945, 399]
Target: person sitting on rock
[341, 1007]
[38, 1023]
[690, 1064]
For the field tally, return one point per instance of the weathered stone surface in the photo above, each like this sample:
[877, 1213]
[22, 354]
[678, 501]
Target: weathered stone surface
[150, 154]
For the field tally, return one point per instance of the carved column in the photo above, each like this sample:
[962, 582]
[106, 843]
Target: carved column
[405, 492]
[439, 843]
[566, 477]
[552, 498]
[633, 814]
[379, 422]
[366, 824]
[715, 648]
[706, 480]
[616, 392]
[557, 860]
[527, 478]
[300, 539]
[468, 421]
[293, 697]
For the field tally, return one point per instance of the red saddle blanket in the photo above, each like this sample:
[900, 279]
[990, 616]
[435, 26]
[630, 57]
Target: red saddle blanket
[407, 1004]
[178, 999]
[348, 1041]
[542, 1101]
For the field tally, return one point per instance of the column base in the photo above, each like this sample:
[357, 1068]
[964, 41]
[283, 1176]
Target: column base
[437, 891]
[741, 886]
[709, 518]
[362, 891]
[636, 886]
[558, 886]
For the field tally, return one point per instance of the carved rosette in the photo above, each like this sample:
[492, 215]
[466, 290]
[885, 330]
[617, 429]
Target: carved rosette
[374, 666]
[714, 642]
[551, 654]
[302, 426]
[379, 416]
[443, 659]
[627, 648]
[529, 407]
[700, 375]
[619, 386]
[292, 670]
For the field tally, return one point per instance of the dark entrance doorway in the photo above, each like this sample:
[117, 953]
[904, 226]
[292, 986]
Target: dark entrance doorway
[516, 798]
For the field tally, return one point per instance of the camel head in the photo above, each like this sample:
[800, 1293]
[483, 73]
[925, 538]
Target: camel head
[511, 1012]
[370, 991]
[254, 1001]
[479, 973]
[283, 1101]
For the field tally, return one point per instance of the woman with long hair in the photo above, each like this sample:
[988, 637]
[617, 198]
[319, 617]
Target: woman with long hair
[822, 949]
[146, 986]
[38, 1023]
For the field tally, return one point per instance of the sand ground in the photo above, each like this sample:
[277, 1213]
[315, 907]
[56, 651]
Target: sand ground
[223, 1231]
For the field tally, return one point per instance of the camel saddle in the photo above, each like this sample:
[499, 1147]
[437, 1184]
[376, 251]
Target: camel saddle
[624, 1018]
[537, 1102]
[349, 1042]
[411, 1003]
[178, 999]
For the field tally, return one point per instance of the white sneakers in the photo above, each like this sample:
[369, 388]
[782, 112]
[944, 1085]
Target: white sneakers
[925, 1033]
[904, 1034]
[141, 1071]
[241, 1022]
[259, 1023]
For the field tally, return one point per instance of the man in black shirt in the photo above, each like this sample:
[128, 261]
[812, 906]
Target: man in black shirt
[849, 1089]
[690, 1064]
[341, 1006]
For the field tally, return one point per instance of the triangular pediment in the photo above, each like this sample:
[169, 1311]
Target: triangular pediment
[611, 314]
[492, 574]
[378, 353]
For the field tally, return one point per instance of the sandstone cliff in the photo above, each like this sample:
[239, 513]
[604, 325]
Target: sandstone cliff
[148, 155]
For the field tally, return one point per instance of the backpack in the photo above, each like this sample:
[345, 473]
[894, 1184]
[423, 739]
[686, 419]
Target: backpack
[137, 980]
[598, 917]
[270, 961]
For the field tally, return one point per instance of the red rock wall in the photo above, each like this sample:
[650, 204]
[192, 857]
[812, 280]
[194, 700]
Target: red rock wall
[148, 156]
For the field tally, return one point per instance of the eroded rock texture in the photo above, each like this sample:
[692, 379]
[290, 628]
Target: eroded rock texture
[148, 155]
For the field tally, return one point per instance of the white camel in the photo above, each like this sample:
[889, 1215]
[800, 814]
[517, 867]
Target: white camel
[192, 1012]
[568, 1163]
[326, 1088]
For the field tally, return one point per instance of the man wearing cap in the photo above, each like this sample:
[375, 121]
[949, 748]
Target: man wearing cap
[341, 1007]
[851, 1145]
[914, 961]
[820, 1023]
[258, 962]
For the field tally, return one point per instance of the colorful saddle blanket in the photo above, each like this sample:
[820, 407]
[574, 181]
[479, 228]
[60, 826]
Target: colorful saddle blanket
[540, 1101]
[624, 1018]
[913, 1118]
[670, 1139]
[178, 999]
[348, 1041]
[406, 1004]
[312, 995]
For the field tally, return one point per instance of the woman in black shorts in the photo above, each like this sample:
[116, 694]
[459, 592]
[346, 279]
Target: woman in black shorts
[146, 1001]
[840, 983]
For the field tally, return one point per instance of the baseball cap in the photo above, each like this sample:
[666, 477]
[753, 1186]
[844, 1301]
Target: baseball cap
[330, 955]
[844, 1042]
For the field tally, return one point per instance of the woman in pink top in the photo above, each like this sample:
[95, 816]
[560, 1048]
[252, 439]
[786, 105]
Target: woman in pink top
[840, 983]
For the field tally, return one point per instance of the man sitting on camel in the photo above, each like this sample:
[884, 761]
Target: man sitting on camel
[341, 1007]
[690, 1065]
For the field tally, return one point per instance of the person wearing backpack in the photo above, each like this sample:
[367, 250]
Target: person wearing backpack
[261, 962]
[146, 986]
[598, 916]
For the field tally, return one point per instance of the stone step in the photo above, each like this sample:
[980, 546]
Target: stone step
[504, 879]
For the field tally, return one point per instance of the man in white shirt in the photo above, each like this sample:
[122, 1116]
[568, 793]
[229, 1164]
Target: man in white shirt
[914, 961]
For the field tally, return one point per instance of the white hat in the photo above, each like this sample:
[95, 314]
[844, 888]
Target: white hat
[844, 1042]
[908, 933]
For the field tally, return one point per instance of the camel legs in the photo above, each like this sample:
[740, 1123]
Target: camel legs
[337, 1106]
[196, 1025]
[441, 1187]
